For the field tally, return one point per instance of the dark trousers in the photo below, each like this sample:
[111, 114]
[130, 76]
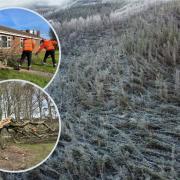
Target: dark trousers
[27, 54]
[52, 54]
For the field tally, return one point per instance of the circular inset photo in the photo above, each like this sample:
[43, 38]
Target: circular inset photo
[29, 126]
[29, 47]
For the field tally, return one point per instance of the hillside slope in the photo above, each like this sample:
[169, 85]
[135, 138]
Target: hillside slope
[118, 94]
[123, 76]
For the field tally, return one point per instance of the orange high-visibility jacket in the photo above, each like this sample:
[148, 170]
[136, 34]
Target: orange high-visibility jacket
[48, 45]
[28, 45]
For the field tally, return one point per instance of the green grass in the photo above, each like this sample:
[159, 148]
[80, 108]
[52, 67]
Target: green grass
[39, 152]
[36, 63]
[14, 74]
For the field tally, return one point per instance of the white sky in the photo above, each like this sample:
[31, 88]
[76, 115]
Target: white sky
[63, 3]
[10, 3]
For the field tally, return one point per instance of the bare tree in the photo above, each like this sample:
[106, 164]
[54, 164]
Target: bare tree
[23, 101]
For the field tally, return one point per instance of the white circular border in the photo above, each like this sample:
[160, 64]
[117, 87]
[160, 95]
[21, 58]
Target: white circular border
[59, 44]
[51, 152]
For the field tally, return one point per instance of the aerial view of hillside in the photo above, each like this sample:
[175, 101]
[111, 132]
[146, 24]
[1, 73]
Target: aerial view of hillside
[118, 91]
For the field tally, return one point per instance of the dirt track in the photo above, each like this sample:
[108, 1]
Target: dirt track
[39, 73]
[14, 158]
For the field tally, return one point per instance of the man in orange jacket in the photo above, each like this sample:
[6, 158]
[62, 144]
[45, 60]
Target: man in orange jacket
[28, 46]
[49, 46]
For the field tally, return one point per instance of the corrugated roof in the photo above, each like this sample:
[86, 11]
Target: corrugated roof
[21, 33]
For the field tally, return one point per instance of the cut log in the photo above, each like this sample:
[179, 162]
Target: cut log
[5, 122]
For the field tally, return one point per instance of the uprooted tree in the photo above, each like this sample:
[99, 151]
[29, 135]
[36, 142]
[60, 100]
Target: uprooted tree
[26, 113]
[26, 129]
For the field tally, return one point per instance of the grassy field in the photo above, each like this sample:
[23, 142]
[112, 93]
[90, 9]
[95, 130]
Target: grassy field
[39, 151]
[41, 79]
[44, 68]
[14, 74]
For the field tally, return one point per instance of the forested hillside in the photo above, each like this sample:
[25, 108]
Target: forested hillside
[118, 93]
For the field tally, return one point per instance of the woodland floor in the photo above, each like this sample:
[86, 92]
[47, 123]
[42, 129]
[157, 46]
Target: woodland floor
[22, 156]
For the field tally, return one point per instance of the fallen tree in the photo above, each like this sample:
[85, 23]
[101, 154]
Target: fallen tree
[25, 129]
